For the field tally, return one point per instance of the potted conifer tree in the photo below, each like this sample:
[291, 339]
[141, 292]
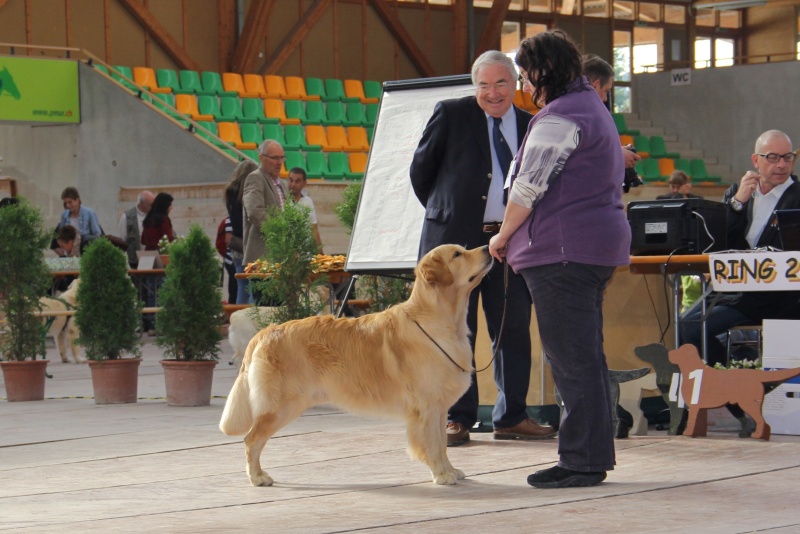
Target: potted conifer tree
[108, 314]
[188, 320]
[24, 279]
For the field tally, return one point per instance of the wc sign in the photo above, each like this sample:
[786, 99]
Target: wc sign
[681, 76]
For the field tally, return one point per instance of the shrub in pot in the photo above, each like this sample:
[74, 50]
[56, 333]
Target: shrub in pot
[108, 314]
[24, 279]
[188, 320]
[290, 247]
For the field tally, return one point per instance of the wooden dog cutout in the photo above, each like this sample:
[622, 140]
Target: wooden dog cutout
[704, 387]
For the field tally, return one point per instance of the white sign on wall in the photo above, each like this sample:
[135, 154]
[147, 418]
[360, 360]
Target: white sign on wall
[755, 271]
[680, 77]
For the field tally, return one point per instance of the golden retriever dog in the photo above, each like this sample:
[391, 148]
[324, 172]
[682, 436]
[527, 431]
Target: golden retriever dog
[411, 361]
[63, 328]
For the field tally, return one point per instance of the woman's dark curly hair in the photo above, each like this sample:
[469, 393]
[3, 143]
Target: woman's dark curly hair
[552, 62]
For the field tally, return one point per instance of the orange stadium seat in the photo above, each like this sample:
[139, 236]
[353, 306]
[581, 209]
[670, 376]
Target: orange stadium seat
[337, 140]
[358, 166]
[146, 77]
[275, 86]
[665, 167]
[357, 138]
[315, 135]
[229, 132]
[355, 89]
[296, 89]
[187, 104]
[254, 83]
[232, 81]
[273, 108]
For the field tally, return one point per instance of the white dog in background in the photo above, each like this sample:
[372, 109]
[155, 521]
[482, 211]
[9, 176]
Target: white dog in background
[63, 328]
[244, 325]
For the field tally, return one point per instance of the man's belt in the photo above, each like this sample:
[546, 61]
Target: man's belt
[491, 228]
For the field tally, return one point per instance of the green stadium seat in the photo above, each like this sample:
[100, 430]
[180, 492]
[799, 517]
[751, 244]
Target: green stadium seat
[251, 133]
[370, 131]
[334, 88]
[371, 113]
[293, 159]
[316, 87]
[334, 114]
[317, 165]
[295, 134]
[338, 165]
[315, 112]
[166, 103]
[648, 169]
[232, 107]
[207, 129]
[622, 127]
[642, 145]
[121, 72]
[295, 110]
[274, 131]
[658, 148]
[253, 109]
[373, 89]
[699, 172]
[355, 114]
[190, 82]
[682, 164]
[169, 78]
[252, 154]
[212, 81]
[209, 105]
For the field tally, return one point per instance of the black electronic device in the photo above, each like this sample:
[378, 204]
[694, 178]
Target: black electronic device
[788, 222]
[679, 226]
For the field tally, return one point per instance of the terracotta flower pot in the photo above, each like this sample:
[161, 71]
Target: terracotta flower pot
[164, 259]
[24, 380]
[188, 383]
[115, 381]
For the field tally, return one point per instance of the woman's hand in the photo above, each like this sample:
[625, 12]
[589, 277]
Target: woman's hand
[497, 247]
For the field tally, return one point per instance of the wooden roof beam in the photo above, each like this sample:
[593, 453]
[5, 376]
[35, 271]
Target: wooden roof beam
[404, 39]
[494, 25]
[227, 30]
[160, 34]
[294, 37]
[255, 28]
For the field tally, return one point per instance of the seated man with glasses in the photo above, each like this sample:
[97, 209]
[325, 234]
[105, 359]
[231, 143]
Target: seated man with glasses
[751, 204]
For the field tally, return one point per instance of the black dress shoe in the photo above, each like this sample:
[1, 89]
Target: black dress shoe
[558, 477]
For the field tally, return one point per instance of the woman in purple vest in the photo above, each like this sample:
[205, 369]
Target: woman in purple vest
[565, 231]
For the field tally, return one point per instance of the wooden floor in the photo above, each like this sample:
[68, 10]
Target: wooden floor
[68, 465]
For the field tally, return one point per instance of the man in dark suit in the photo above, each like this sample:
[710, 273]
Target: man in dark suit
[751, 204]
[458, 174]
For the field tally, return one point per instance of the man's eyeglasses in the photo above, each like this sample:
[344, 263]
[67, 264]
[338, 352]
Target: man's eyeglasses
[772, 157]
[274, 158]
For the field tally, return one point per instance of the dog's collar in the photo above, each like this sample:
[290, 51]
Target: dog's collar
[439, 346]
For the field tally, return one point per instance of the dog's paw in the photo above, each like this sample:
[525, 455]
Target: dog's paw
[449, 478]
[261, 479]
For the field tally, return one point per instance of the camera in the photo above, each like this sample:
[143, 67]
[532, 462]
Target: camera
[631, 176]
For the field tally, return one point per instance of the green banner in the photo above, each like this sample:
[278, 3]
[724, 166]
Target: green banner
[39, 90]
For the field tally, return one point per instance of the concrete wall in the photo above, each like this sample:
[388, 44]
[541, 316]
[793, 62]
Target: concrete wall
[724, 110]
[119, 143]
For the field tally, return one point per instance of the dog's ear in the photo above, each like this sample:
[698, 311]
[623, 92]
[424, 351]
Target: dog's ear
[433, 270]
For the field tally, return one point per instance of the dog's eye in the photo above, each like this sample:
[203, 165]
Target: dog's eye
[456, 254]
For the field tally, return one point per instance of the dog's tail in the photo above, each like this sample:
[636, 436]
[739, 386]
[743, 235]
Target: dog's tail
[778, 376]
[237, 417]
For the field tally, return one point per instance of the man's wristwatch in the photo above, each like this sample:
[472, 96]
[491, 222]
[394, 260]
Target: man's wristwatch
[735, 204]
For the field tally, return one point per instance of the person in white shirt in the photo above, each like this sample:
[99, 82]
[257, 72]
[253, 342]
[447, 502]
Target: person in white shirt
[130, 225]
[297, 184]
